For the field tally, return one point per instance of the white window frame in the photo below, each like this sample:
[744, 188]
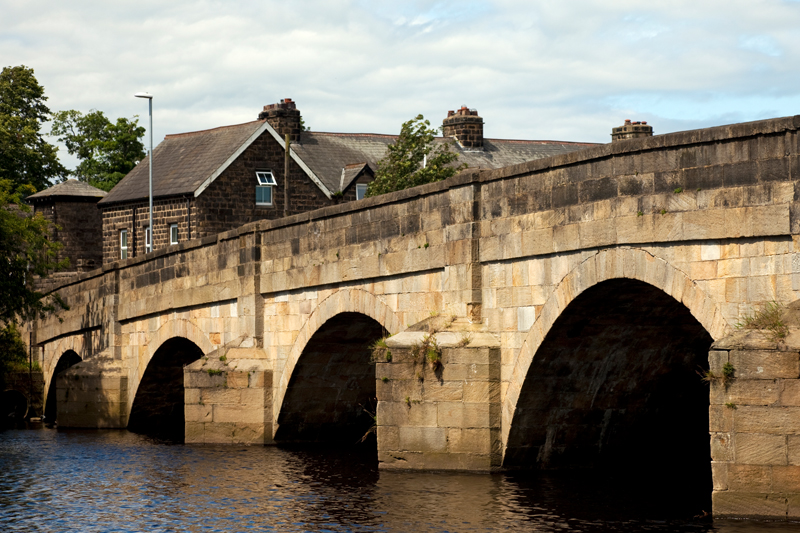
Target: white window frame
[264, 179]
[173, 233]
[361, 191]
[148, 243]
[123, 244]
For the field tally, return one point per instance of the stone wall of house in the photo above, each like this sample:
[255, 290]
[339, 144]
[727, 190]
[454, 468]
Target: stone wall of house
[136, 217]
[230, 200]
[80, 230]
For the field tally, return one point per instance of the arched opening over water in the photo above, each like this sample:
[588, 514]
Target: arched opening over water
[332, 385]
[614, 390]
[158, 406]
[67, 359]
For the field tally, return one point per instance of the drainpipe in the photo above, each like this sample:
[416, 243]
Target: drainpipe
[286, 178]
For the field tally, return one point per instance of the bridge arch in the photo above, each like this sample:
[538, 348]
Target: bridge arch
[608, 264]
[67, 359]
[341, 302]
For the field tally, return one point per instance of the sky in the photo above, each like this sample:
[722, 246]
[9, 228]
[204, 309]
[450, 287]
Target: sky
[568, 70]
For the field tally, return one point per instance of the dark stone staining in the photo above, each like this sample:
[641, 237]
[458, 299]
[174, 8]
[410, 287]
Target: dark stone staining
[773, 170]
[158, 408]
[565, 195]
[738, 174]
[702, 178]
[595, 190]
[667, 181]
[333, 382]
[614, 387]
[630, 186]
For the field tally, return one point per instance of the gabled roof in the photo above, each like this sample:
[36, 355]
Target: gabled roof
[185, 161]
[71, 188]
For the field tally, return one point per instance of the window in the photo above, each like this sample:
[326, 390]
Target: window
[265, 181]
[361, 190]
[173, 234]
[147, 244]
[123, 244]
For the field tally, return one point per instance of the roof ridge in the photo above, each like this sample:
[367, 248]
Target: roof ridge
[198, 132]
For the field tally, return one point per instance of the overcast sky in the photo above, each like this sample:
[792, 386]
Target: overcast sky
[568, 70]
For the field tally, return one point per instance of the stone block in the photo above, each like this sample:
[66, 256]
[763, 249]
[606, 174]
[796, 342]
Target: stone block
[786, 479]
[422, 439]
[197, 413]
[746, 392]
[719, 475]
[238, 380]
[748, 504]
[473, 440]
[774, 420]
[749, 478]
[239, 415]
[721, 447]
[765, 364]
[194, 433]
[388, 438]
[446, 391]
[760, 449]
[220, 396]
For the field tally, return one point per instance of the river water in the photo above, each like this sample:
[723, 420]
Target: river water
[116, 481]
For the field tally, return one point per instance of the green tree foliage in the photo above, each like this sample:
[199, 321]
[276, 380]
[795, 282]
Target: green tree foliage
[25, 252]
[402, 167]
[107, 151]
[25, 157]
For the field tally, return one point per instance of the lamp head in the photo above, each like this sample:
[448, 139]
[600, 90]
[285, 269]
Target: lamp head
[144, 95]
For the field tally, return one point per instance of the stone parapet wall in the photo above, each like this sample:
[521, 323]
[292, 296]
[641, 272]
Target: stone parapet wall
[754, 421]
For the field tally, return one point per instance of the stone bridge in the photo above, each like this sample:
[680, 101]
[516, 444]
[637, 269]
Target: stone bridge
[554, 314]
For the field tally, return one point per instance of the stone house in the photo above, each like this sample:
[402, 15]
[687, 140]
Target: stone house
[211, 181]
[71, 207]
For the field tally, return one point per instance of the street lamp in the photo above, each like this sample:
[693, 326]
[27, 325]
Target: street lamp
[150, 101]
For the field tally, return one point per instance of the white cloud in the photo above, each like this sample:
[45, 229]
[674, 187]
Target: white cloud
[543, 70]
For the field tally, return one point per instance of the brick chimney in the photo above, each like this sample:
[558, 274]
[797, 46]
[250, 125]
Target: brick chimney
[631, 130]
[284, 117]
[466, 127]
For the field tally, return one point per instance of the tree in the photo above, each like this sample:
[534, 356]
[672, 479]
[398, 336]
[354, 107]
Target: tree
[25, 251]
[413, 159]
[107, 151]
[25, 157]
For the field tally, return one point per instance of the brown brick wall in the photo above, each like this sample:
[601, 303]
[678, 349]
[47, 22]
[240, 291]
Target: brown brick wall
[135, 218]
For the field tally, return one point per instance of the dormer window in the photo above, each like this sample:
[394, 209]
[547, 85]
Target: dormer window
[265, 181]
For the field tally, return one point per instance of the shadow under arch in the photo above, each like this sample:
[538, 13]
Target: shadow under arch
[67, 359]
[342, 301]
[614, 389]
[614, 263]
[332, 385]
[158, 406]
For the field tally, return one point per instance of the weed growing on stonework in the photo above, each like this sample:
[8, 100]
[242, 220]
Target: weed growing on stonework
[428, 351]
[679, 190]
[426, 245]
[731, 405]
[223, 358]
[767, 319]
[380, 351]
[639, 214]
[663, 211]
[727, 377]
[214, 372]
[385, 379]
[466, 338]
[408, 401]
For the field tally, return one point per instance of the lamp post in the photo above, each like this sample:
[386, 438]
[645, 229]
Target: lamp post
[150, 101]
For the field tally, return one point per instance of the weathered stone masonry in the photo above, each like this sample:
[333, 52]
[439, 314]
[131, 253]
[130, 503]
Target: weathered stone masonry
[707, 217]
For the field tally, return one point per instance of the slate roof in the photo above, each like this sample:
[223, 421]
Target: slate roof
[70, 187]
[326, 154]
[183, 162]
[187, 163]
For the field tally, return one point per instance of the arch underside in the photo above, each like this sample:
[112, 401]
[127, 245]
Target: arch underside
[67, 359]
[614, 386]
[332, 389]
[158, 407]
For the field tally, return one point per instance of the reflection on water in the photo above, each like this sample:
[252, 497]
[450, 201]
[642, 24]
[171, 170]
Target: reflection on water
[102, 481]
